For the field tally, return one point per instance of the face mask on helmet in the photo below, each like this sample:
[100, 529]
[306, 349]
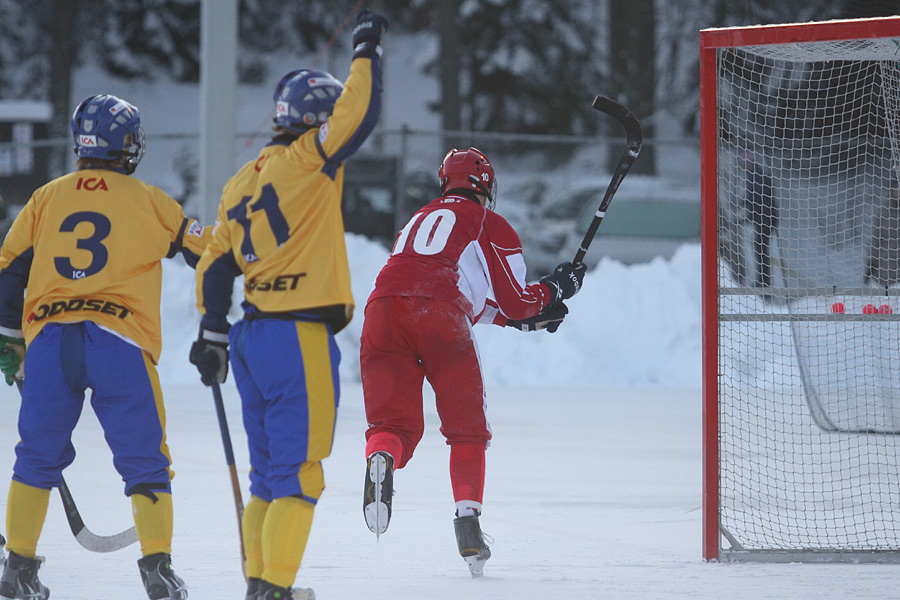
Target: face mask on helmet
[468, 170]
[304, 99]
[107, 127]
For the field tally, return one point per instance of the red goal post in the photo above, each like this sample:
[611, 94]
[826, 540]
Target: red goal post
[800, 161]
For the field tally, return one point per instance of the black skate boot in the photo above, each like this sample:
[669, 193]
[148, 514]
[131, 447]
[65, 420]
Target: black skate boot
[2, 553]
[471, 544]
[379, 491]
[270, 591]
[20, 579]
[159, 579]
[252, 588]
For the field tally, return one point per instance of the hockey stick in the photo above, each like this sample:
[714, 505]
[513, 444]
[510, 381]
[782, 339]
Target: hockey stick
[229, 458]
[89, 540]
[634, 138]
[92, 541]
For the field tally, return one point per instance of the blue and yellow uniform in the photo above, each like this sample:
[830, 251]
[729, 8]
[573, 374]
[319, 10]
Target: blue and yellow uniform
[280, 226]
[87, 246]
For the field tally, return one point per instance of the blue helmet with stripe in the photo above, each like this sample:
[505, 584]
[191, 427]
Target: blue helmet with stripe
[107, 127]
[305, 98]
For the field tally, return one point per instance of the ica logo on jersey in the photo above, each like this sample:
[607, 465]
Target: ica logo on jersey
[91, 184]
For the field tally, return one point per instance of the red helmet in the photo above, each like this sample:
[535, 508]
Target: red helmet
[468, 170]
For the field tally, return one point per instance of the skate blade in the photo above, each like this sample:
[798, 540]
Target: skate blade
[303, 594]
[377, 513]
[377, 517]
[476, 566]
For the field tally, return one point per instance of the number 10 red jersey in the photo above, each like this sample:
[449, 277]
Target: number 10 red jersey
[458, 251]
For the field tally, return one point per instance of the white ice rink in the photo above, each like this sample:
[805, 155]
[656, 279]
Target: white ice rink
[591, 493]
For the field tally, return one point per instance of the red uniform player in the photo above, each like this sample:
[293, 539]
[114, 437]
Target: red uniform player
[454, 264]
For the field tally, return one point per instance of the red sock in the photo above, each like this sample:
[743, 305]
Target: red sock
[467, 472]
[385, 442]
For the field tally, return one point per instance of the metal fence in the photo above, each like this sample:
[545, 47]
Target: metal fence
[549, 185]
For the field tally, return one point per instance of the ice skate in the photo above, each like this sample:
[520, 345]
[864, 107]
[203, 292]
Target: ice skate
[270, 591]
[470, 541]
[252, 588]
[20, 579]
[379, 491]
[159, 579]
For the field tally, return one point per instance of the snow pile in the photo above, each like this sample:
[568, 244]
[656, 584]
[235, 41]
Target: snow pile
[630, 326]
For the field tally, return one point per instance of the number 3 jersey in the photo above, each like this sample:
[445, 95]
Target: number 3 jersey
[87, 246]
[458, 251]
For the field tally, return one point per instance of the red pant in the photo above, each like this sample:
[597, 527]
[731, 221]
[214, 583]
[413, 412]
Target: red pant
[407, 339]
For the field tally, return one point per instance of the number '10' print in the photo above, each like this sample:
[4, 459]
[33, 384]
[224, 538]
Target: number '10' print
[431, 236]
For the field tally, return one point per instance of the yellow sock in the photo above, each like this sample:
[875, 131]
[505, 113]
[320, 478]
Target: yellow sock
[26, 509]
[153, 521]
[284, 535]
[252, 525]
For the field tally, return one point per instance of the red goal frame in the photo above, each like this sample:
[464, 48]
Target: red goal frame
[711, 40]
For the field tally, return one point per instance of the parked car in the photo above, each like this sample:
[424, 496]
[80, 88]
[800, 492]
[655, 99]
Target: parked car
[375, 204]
[648, 217]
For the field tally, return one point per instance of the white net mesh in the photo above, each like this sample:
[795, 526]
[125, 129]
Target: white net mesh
[809, 319]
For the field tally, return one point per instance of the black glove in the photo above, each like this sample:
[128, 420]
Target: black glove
[367, 33]
[210, 355]
[549, 318]
[565, 281]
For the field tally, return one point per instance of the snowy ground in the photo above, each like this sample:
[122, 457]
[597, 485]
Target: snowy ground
[591, 493]
[593, 486]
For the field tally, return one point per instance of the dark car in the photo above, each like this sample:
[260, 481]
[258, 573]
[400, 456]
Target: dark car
[378, 201]
[6, 218]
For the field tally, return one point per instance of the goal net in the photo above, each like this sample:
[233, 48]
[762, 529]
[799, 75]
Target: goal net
[801, 279]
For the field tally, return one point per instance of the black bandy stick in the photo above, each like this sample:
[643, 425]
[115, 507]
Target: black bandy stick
[88, 539]
[635, 137]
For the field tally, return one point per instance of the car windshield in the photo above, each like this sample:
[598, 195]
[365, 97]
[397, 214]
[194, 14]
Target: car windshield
[570, 205]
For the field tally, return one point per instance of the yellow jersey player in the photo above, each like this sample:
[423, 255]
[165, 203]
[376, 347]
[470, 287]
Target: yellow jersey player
[88, 247]
[280, 226]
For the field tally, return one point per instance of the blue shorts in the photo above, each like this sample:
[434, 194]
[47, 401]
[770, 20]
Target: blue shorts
[62, 362]
[287, 375]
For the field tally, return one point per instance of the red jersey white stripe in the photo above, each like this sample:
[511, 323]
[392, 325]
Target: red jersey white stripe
[458, 251]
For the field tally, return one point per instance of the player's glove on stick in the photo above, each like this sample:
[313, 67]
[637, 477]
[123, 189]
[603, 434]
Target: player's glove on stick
[565, 281]
[550, 318]
[12, 358]
[367, 33]
[210, 355]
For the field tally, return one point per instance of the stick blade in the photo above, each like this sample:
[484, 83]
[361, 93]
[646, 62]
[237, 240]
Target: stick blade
[106, 543]
[626, 118]
[84, 536]
[610, 107]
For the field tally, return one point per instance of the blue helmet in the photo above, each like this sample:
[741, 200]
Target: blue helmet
[107, 127]
[305, 99]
